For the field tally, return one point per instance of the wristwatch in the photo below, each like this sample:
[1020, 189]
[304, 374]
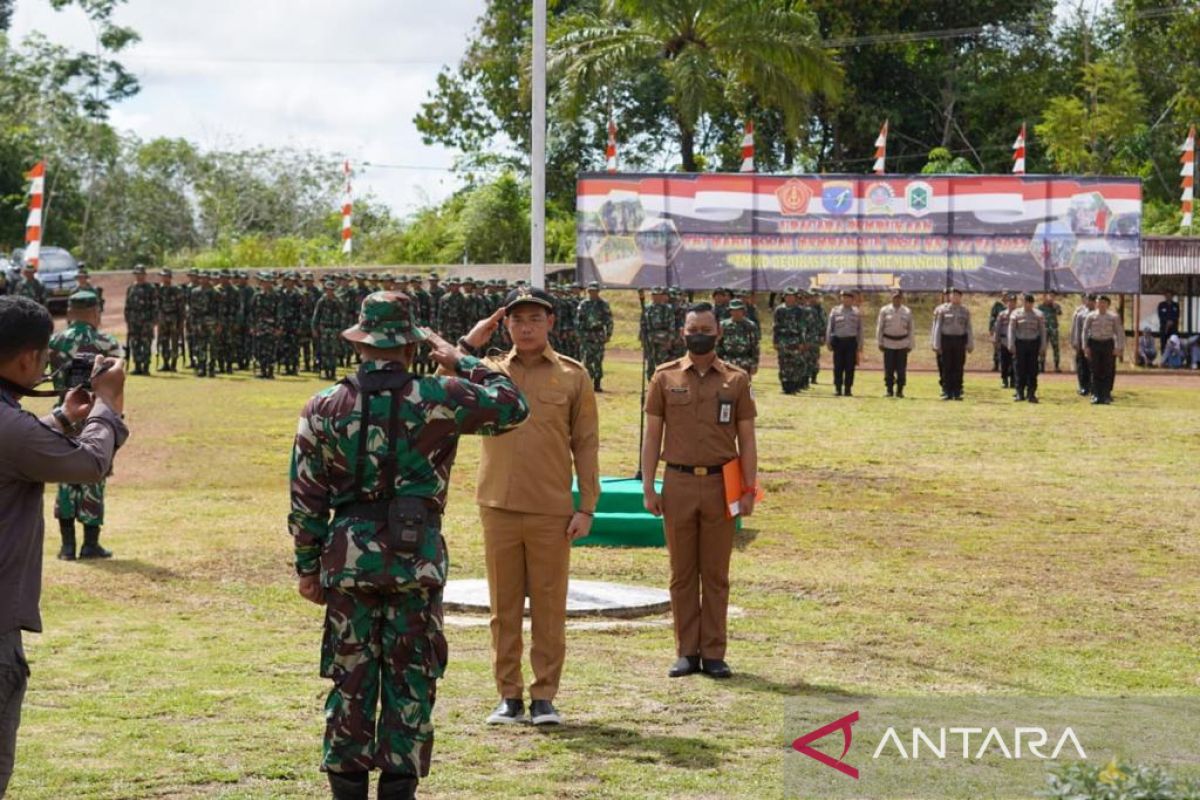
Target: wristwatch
[60, 416]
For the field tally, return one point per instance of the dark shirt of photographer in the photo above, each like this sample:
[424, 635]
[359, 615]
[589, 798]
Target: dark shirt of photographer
[75, 444]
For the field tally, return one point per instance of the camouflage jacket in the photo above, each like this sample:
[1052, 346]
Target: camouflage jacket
[172, 305]
[739, 339]
[264, 316]
[658, 323]
[291, 310]
[79, 337]
[141, 304]
[328, 314]
[594, 317]
[204, 307]
[791, 323]
[434, 411]
[230, 311]
[31, 288]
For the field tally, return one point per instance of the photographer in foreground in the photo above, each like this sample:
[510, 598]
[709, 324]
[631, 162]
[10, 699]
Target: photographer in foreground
[74, 444]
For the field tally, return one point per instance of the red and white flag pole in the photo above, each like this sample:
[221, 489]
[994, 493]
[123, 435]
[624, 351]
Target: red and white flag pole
[33, 226]
[347, 206]
[610, 152]
[748, 148]
[1188, 171]
[1019, 152]
[880, 150]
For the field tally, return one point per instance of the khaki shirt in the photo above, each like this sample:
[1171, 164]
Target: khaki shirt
[845, 322]
[894, 328]
[1026, 326]
[529, 469]
[1104, 326]
[690, 405]
[952, 320]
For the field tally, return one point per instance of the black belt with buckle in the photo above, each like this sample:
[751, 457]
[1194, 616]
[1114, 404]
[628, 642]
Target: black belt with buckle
[895, 338]
[701, 471]
[378, 510]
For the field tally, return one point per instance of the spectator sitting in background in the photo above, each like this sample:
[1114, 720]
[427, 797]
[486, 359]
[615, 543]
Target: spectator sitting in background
[1172, 355]
[1193, 346]
[1146, 350]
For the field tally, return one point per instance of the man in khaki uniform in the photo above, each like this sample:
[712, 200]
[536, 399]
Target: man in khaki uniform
[894, 337]
[1103, 339]
[706, 411]
[524, 495]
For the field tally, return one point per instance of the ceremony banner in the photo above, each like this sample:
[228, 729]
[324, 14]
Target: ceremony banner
[980, 233]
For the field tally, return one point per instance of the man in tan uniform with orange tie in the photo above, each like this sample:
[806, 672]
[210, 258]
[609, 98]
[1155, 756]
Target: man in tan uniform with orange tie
[524, 495]
[705, 409]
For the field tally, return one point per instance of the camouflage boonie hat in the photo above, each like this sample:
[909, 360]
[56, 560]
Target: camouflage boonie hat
[737, 305]
[791, 290]
[329, 284]
[83, 299]
[165, 272]
[385, 320]
[139, 270]
[308, 276]
[593, 285]
[658, 290]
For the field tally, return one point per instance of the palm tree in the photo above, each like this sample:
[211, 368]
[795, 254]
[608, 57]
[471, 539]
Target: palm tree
[709, 51]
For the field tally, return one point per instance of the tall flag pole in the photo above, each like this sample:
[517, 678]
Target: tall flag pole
[748, 148]
[610, 152]
[33, 226]
[880, 149]
[1019, 152]
[347, 206]
[1188, 171]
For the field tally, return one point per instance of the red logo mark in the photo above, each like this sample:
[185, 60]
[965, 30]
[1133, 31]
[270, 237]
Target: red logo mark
[801, 745]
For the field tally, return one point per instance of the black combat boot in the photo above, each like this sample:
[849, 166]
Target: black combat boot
[349, 785]
[397, 787]
[596, 384]
[67, 527]
[91, 544]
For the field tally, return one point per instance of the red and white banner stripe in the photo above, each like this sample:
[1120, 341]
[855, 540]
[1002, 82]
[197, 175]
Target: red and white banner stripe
[748, 148]
[1019, 152]
[610, 152]
[1188, 171]
[880, 149]
[33, 226]
[347, 206]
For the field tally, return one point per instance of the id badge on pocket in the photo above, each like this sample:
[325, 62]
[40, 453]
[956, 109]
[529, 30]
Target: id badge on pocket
[724, 411]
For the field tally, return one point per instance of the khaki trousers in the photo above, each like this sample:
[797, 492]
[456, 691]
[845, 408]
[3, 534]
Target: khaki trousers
[527, 554]
[700, 542]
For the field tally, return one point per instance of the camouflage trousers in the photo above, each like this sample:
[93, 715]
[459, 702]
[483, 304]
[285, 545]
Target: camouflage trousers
[328, 352]
[81, 501]
[244, 351]
[141, 343]
[203, 355]
[288, 350]
[659, 350]
[266, 350]
[168, 343]
[225, 349]
[793, 371]
[812, 360]
[743, 360]
[1052, 337]
[388, 639]
[591, 347]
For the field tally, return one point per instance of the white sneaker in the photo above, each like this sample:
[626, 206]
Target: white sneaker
[509, 712]
[542, 712]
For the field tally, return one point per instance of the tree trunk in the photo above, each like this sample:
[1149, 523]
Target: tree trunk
[687, 147]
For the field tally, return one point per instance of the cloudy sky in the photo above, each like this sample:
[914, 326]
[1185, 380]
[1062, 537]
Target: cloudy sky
[344, 78]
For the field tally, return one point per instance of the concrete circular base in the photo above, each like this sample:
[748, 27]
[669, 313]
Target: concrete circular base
[584, 599]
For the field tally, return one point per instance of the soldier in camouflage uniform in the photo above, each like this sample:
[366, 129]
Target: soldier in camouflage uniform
[570, 333]
[189, 324]
[821, 321]
[452, 312]
[29, 286]
[788, 335]
[83, 502]
[680, 307]
[595, 322]
[657, 331]
[379, 565]
[291, 321]
[243, 334]
[739, 342]
[436, 293]
[84, 281]
[141, 309]
[204, 313]
[720, 301]
[1051, 311]
[327, 318]
[265, 323]
[171, 312]
[424, 315]
[310, 294]
[230, 318]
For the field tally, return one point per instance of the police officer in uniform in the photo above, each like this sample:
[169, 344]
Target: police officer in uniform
[699, 416]
[894, 337]
[370, 473]
[1027, 342]
[953, 339]
[844, 334]
[1104, 339]
[1083, 373]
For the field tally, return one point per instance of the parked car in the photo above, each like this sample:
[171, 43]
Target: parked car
[57, 270]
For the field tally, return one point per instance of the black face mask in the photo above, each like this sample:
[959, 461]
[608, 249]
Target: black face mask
[700, 343]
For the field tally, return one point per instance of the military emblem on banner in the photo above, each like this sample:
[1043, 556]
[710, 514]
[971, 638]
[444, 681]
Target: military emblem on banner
[879, 198]
[793, 198]
[919, 196]
[837, 197]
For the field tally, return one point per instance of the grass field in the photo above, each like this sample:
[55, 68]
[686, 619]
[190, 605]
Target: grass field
[905, 546]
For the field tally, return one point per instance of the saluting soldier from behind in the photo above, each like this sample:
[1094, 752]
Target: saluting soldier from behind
[84, 501]
[1000, 337]
[894, 336]
[845, 336]
[374, 452]
[526, 505]
[1083, 374]
[953, 338]
[1027, 341]
[699, 416]
[1104, 339]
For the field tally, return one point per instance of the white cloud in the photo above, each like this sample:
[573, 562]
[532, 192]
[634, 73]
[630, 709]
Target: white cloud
[344, 78]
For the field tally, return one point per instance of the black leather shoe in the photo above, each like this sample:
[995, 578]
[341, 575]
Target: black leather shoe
[1083, 392]
[1033, 398]
[542, 712]
[685, 665]
[900, 392]
[715, 668]
[509, 712]
[847, 392]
